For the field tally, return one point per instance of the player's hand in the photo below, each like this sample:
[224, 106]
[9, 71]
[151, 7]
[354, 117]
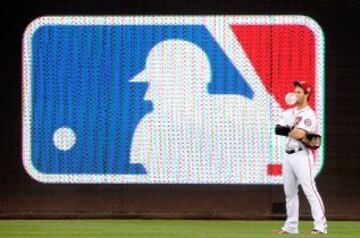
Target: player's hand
[312, 141]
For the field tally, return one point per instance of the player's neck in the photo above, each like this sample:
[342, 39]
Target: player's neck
[302, 106]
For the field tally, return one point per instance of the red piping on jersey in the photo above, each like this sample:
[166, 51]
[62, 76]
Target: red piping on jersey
[313, 188]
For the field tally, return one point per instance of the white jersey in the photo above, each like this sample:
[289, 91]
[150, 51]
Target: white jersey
[303, 119]
[298, 169]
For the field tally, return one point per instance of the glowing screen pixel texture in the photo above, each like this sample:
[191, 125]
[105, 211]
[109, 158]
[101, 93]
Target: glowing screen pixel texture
[169, 100]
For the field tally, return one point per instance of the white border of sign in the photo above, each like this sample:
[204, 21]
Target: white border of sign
[215, 24]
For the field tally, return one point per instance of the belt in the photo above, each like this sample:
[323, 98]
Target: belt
[294, 150]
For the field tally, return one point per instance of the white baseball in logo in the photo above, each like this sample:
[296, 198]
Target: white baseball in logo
[64, 138]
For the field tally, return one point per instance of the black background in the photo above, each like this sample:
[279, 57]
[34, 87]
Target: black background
[338, 183]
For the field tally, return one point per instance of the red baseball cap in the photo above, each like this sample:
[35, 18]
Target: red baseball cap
[304, 85]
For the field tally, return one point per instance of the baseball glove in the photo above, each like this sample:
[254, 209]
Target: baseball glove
[312, 141]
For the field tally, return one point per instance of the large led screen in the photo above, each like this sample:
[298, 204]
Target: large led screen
[164, 99]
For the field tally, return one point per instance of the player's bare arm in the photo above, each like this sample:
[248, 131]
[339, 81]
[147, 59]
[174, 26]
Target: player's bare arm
[297, 133]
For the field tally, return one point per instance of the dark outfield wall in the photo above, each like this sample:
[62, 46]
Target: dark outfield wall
[21, 196]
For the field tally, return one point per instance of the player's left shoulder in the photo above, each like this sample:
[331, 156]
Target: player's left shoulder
[311, 112]
[309, 117]
[308, 111]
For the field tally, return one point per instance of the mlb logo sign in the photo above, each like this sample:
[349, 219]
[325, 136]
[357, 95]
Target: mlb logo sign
[170, 99]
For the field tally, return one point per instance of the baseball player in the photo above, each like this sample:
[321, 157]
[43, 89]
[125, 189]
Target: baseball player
[298, 124]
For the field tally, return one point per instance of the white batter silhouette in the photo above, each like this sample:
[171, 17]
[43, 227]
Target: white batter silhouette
[192, 136]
